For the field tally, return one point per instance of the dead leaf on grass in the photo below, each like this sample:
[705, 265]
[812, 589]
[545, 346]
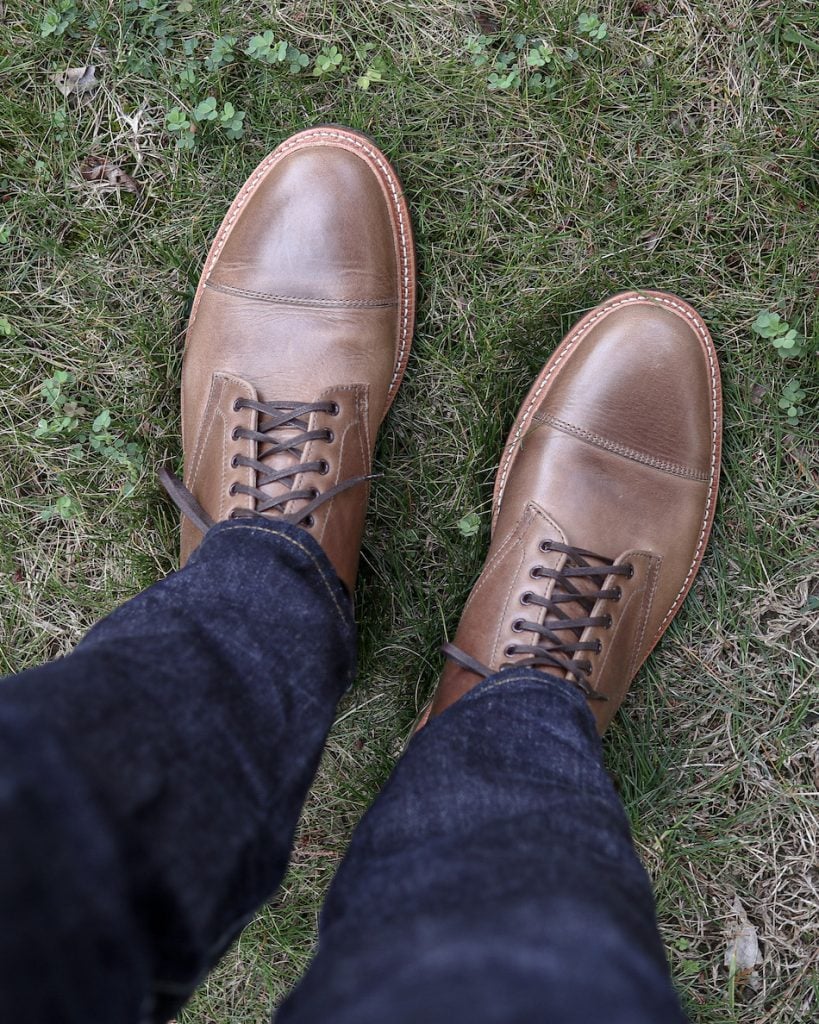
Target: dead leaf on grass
[742, 952]
[77, 82]
[487, 23]
[758, 392]
[105, 172]
[651, 239]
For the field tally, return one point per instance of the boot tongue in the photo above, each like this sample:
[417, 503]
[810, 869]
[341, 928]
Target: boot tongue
[278, 461]
[562, 586]
[286, 425]
[577, 609]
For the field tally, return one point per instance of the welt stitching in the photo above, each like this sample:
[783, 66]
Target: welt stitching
[301, 300]
[620, 449]
[250, 186]
[699, 327]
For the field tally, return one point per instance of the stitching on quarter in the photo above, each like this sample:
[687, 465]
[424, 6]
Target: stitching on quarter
[301, 300]
[250, 186]
[513, 577]
[341, 447]
[362, 401]
[702, 333]
[514, 537]
[620, 449]
[203, 434]
[654, 567]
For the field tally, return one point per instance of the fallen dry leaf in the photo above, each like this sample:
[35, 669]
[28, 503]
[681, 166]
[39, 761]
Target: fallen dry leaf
[742, 952]
[97, 168]
[487, 23]
[651, 240]
[77, 81]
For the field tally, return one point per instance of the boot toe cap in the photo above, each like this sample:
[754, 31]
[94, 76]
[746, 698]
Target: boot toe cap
[320, 226]
[642, 375]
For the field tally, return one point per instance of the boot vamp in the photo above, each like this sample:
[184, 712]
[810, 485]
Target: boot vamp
[303, 294]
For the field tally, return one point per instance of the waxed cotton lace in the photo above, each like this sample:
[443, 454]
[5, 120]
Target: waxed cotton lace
[559, 635]
[282, 428]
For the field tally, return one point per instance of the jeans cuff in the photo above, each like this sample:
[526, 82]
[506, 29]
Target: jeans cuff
[514, 678]
[275, 534]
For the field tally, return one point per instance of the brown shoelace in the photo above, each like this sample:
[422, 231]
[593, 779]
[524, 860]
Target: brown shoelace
[289, 417]
[554, 650]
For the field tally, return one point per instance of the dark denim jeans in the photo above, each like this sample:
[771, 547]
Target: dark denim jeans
[152, 780]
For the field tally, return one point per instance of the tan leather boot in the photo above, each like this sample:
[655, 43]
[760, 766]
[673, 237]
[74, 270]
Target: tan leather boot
[298, 338]
[603, 504]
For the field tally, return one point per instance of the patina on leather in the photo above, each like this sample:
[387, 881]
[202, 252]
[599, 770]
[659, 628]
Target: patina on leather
[613, 462]
[298, 339]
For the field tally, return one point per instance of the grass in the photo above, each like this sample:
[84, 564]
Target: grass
[677, 152]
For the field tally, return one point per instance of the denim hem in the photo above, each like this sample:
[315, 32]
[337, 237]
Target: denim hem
[293, 536]
[537, 677]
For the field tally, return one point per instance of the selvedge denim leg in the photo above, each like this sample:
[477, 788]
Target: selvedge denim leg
[152, 779]
[493, 880]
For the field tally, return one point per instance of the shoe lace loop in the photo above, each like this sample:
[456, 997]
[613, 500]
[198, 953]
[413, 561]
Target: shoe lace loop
[559, 634]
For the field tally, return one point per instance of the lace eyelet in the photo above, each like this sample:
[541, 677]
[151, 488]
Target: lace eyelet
[586, 666]
[618, 593]
[334, 409]
[545, 545]
[308, 521]
[234, 462]
[630, 568]
[324, 467]
[235, 434]
[607, 624]
[526, 598]
[237, 405]
[509, 650]
[535, 573]
[331, 436]
[313, 493]
[232, 490]
[233, 514]
[517, 626]
[599, 647]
